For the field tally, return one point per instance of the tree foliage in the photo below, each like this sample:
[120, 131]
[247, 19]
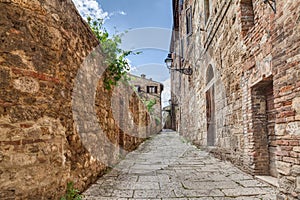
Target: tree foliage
[118, 65]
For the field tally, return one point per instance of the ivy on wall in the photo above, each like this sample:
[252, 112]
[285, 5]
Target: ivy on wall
[118, 65]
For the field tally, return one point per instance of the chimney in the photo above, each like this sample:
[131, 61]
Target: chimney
[143, 75]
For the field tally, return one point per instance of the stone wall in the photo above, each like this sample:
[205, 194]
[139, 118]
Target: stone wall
[273, 58]
[244, 91]
[57, 123]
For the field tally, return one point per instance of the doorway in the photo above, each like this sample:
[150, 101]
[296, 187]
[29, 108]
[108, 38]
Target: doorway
[264, 115]
[210, 106]
[210, 116]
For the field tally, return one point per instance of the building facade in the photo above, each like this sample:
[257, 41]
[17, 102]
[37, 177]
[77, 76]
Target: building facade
[242, 100]
[150, 93]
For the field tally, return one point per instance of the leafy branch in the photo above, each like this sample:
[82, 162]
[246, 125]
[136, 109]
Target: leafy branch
[118, 65]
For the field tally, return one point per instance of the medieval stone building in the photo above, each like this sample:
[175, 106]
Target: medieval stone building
[242, 100]
[149, 90]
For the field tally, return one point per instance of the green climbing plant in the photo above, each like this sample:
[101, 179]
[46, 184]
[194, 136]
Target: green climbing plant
[72, 193]
[118, 65]
[149, 105]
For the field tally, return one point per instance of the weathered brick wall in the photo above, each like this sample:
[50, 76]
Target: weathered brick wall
[44, 116]
[254, 55]
[273, 46]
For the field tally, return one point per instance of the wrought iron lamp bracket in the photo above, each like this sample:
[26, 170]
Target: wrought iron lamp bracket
[186, 71]
[169, 61]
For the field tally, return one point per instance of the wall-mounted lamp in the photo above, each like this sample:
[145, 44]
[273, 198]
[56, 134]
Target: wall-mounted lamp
[272, 4]
[169, 63]
[171, 103]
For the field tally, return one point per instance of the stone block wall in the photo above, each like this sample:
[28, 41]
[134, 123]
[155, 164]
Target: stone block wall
[57, 123]
[254, 56]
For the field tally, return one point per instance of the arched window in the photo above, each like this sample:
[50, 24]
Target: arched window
[189, 24]
[209, 74]
[247, 16]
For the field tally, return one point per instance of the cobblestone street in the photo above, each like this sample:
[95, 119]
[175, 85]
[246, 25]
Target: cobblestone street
[167, 167]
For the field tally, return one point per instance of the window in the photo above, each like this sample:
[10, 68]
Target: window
[137, 88]
[189, 24]
[206, 10]
[247, 16]
[209, 74]
[151, 89]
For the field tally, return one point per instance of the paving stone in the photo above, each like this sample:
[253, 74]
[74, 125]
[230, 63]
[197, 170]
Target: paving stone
[123, 193]
[244, 192]
[154, 194]
[175, 199]
[158, 178]
[97, 191]
[252, 183]
[240, 176]
[171, 186]
[199, 193]
[169, 172]
[148, 179]
[167, 168]
[127, 177]
[270, 196]
[146, 186]
[144, 199]
[208, 185]
[123, 185]
[238, 198]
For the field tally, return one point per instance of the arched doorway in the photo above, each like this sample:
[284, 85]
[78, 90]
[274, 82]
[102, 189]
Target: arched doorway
[210, 106]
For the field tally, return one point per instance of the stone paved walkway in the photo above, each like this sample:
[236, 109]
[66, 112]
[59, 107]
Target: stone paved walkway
[167, 167]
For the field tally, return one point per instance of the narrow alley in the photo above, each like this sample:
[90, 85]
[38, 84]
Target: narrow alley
[168, 167]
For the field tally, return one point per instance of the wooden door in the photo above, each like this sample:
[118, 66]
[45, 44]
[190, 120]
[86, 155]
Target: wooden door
[210, 115]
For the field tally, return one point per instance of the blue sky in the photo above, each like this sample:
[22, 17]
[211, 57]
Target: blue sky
[154, 17]
[148, 23]
[138, 14]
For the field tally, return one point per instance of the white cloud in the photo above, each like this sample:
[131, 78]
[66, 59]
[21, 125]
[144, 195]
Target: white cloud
[122, 13]
[117, 13]
[133, 69]
[90, 8]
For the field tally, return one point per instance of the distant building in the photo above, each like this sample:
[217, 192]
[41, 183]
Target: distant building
[167, 117]
[149, 92]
